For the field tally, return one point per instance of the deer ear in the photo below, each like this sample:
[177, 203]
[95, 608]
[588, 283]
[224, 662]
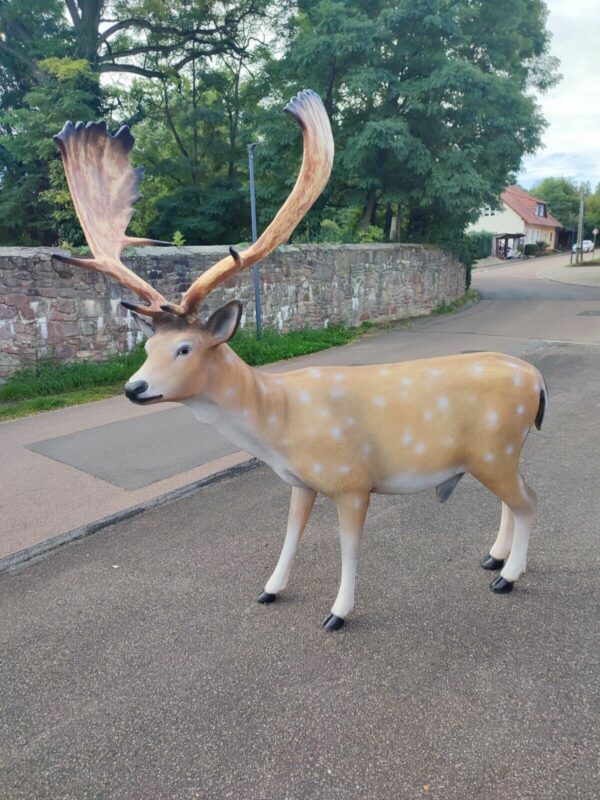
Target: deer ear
[143, 325]
[224, 322]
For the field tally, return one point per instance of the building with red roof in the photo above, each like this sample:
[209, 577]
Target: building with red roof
[521, 219]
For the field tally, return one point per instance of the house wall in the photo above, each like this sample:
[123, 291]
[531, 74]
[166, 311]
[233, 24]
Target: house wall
[50, 309]
[535, 233]
[505, 220]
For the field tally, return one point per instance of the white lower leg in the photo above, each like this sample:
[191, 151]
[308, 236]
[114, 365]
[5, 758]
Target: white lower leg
[517, 560]
[352, 510]
[281, 574]
[344, 602]
[501, 547]
[301, 505]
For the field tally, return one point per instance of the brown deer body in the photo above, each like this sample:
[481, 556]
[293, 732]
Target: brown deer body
[344, 432]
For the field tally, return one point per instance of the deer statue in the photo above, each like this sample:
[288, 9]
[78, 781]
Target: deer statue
[345, 432]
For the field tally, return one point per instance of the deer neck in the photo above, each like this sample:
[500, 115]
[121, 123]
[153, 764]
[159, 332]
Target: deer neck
[242, 403]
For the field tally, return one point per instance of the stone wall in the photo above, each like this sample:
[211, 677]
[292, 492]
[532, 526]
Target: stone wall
[49, 309]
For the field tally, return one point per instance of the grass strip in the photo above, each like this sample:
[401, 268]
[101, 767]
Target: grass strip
[54, 384]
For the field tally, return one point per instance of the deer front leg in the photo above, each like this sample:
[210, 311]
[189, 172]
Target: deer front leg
[352, 510]
[301, 505]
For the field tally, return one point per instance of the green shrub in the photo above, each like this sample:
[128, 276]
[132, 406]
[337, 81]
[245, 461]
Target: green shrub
[371, 234]
[330, 232]
[482, 243]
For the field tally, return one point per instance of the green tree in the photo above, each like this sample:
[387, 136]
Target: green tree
[157, 40]
[430, 101]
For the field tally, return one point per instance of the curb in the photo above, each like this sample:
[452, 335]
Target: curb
[22, 557]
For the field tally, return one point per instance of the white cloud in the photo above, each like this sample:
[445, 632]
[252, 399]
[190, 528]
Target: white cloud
[572, 139]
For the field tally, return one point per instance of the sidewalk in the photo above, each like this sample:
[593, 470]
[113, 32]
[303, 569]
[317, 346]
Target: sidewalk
[576, 275]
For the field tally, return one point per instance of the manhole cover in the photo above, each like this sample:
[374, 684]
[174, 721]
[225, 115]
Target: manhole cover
[590, 313]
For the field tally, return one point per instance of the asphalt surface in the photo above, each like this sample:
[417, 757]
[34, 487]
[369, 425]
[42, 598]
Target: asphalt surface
[136, 664]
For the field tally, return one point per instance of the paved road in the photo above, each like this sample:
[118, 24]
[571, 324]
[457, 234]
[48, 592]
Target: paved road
[136, 664]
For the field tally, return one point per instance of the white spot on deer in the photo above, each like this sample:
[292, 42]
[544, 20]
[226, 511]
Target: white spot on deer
[350, 421]
[229, 356]
[512, 364]
[520, 409]
[428, 415]
[317, 468]
[420, 448]
[344, 469]
[357, 503]
[489, 457]
[338, 376]
[509, 450]
[449, 441]
[436, 372]
[304, 397]
[384, 371]
[367, 449]
[336, 392]
[536, 387]
[336, 432]
[477, 369]
[407, 438]
[492, 418]
[407, 381]
[315, 373]
[324, 412]
[379, 401]
[230, 391]
[443, 403]
[517, 379]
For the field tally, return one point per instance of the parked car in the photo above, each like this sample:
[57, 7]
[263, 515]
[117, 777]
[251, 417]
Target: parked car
[587, 246]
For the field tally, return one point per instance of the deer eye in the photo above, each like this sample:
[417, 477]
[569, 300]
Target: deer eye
[183, 350]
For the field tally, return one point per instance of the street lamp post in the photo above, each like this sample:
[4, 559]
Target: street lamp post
[255, 269]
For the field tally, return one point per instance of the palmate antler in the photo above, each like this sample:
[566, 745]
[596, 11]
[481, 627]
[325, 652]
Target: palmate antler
[308, 110]
[104, 187]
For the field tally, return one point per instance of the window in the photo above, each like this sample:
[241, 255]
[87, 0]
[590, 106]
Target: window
[489, 212]
[540, 210]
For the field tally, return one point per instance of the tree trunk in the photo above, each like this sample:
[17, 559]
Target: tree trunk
[370, 208]
[389, 218]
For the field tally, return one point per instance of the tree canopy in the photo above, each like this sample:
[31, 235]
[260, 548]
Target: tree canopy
[433, 105]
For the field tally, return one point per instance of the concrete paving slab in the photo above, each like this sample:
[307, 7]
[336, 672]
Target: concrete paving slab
[140, 451]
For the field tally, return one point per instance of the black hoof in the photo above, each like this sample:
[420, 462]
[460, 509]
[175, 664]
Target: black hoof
[265, 597]
[333, 623]
[501, 586]
[491, 563]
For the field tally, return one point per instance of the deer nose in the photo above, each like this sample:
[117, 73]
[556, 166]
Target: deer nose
[135, 389]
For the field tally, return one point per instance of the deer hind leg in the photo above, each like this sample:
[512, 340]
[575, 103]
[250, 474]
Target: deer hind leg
[501, 547]
[301, 504]
[352, 510]
[521, 502]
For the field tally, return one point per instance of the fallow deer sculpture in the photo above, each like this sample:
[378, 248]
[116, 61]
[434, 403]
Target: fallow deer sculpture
[345, 432]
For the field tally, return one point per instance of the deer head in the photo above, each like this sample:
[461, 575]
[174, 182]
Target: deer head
[181, 349]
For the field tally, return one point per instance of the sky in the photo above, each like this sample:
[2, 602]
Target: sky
[572, 109]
